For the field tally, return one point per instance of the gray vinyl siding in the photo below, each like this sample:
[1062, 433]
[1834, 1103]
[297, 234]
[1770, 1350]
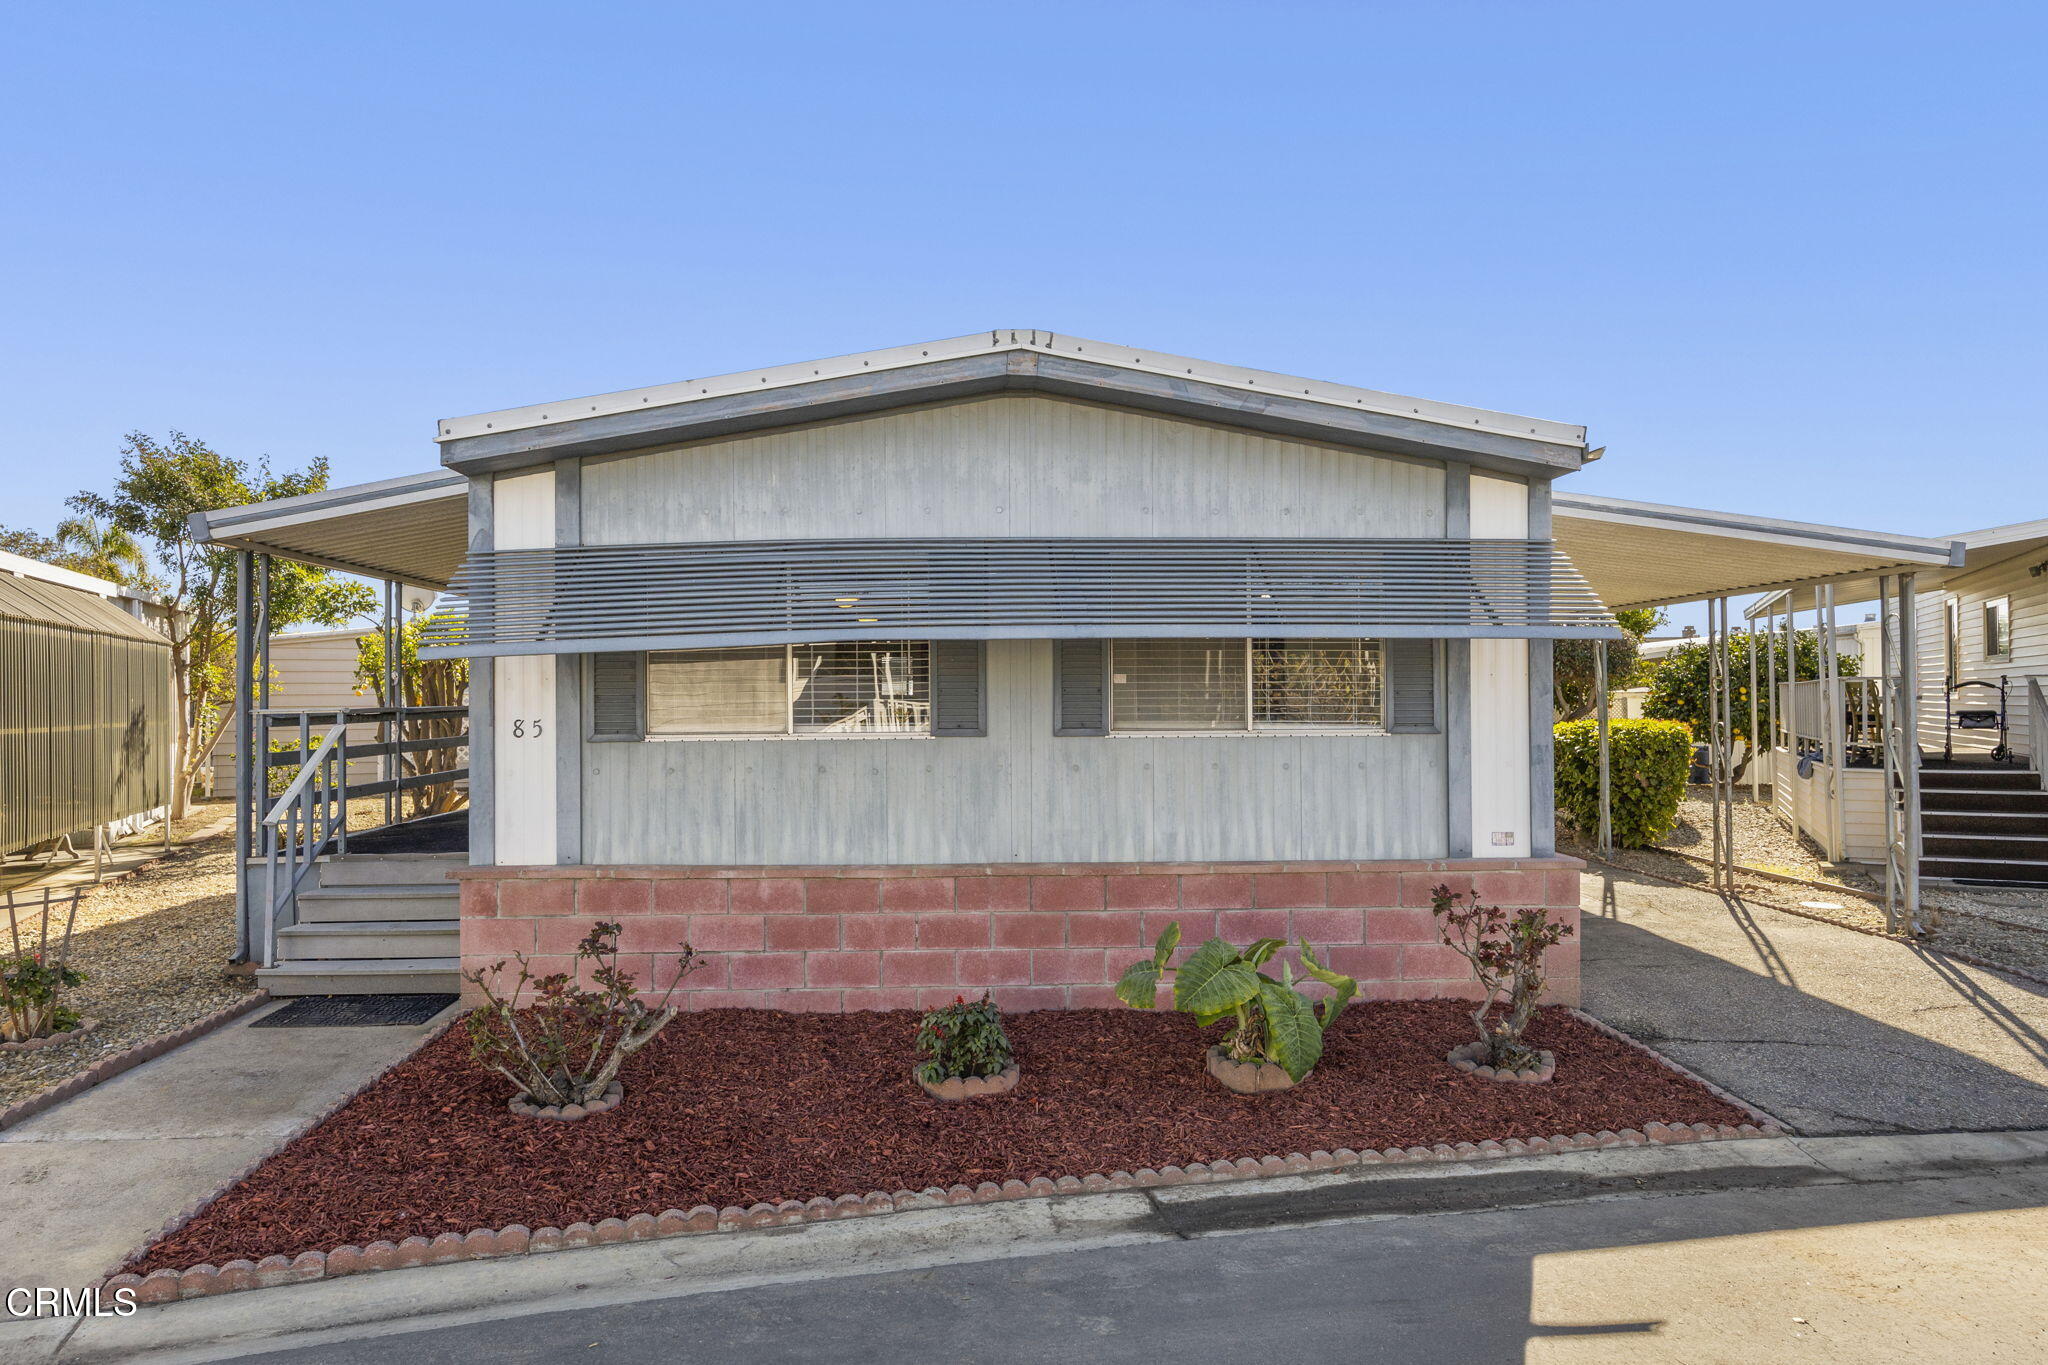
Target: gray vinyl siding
[2029, 597]
[1021, 794]
[1015, 465]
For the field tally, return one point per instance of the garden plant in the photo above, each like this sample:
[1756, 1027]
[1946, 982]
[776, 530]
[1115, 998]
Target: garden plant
[33, 978]
[964, 1042]
[1647, 762]
[1506, 951]
[1276, 1025]
[566, 1048]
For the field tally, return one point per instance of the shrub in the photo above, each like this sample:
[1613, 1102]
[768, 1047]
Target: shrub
[1275, 1022]
[34, 977]
[1506, 952]
[567, 1047]
[1647, 765]
[963, 1039]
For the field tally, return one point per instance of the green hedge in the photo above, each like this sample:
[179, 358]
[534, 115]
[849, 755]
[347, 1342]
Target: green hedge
[1647, 763]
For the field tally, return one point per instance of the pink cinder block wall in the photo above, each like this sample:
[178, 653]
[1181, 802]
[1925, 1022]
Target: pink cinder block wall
[1037, 936]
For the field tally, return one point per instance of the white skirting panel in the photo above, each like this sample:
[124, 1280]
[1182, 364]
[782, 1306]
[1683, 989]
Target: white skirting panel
[523, 694]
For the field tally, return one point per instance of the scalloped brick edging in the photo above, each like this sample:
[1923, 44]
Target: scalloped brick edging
[106, 1068]
[956, 1088]
[77, 1030]
[164, 1286]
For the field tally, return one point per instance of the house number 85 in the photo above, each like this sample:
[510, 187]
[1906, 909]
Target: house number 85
[526, 729]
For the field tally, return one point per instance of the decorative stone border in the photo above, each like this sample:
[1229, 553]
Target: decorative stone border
[163, 1286]
[148, 1050]
[522, 1104]
[971, 1087]
[77, 1030]
[1466, 1059]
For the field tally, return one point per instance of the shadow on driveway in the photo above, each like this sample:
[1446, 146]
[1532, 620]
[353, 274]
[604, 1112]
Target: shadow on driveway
[1830, 1030]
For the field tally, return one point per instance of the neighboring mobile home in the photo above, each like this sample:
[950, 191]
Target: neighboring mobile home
[972, 664]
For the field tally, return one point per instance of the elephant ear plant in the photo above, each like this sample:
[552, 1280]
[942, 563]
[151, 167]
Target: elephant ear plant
[1276, 1025]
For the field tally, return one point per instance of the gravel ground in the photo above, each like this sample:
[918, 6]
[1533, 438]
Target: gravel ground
[1997, 924]
[154, 949]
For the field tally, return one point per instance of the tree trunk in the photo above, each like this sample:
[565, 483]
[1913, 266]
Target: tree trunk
[180, 797]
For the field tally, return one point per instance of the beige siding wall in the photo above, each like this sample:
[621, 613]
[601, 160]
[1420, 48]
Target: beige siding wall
[1014, 465]
[308, 672]
[1020, 794]
[1803, 801]
[2029, 598]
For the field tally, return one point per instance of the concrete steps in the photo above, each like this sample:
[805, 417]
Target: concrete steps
[382, 976]
[373, 924]
[1984, 824]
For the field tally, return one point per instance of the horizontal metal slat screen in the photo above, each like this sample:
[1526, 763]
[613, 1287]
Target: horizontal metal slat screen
[587, 598]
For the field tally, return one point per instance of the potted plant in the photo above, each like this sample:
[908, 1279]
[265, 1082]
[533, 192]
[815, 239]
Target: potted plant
[966, 1052]
[1506, 952]
[1278, 1036]
[33, 981]
[563, 1052]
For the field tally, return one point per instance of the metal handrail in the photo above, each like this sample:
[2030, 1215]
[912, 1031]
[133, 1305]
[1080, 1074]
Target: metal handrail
[335, 736]
[2037, 730]
[311, 811]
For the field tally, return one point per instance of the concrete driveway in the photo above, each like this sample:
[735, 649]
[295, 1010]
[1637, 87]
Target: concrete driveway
[85, 1183]
[1831, 1030]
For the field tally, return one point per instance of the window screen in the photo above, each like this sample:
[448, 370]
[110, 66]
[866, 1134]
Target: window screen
[1316, 684]
[851, 687]
[1177, 685]
[718, 692]
[862, 686]
[1223, 685]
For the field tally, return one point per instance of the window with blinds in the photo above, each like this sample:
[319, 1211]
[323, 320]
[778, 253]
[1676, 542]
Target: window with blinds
[844, 688]
[1246, 685]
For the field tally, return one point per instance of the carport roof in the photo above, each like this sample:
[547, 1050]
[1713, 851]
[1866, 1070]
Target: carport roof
[1646, 554]
[411, 529]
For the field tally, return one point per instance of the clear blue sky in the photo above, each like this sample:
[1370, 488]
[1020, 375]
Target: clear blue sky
[1786, 258]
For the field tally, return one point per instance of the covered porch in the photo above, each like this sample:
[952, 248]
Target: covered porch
[349, 819]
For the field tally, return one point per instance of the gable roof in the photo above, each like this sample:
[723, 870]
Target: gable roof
[1007, 359]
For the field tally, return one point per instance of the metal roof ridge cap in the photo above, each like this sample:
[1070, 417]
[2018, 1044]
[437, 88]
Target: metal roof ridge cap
[1336, 395]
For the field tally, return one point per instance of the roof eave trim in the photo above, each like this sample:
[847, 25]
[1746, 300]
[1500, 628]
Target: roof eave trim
[852, 395]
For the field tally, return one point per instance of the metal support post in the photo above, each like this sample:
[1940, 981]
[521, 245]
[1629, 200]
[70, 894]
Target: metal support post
[1606, 786]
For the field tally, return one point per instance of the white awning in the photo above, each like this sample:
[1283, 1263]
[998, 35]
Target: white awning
[411, 529]
[1646, 554]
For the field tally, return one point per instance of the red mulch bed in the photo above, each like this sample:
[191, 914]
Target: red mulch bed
[739, 1106]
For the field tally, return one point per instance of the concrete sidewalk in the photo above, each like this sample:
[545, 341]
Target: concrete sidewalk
[1831, 1030]
[1705, 1252]
[84, 1183]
